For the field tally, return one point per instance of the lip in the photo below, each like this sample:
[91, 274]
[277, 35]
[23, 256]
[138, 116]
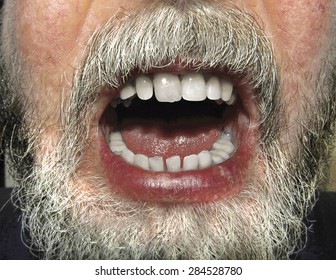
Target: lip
[197, 186]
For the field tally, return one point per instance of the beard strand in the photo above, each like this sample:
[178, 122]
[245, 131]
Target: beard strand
[264, 221]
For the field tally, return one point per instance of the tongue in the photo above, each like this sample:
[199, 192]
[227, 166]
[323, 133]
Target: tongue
[181, 137]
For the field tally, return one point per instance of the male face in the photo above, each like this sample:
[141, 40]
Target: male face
[167, 129]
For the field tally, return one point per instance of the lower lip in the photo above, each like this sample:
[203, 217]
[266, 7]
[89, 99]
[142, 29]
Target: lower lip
[197, 186]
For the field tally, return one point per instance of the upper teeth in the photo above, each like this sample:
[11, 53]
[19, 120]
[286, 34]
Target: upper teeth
[169, 87]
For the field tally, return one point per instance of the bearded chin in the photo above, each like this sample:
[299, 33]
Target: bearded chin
[262, 221]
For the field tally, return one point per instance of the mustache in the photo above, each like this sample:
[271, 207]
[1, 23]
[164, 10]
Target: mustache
[202, 34]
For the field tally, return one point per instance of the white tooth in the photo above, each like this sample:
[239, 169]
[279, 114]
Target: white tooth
[173, 164]
[204, 159]
[218, 156]
[232, 99]
[224, 145]
[127, 91]
[216, 159]
[141, 161]
[144, 87]
[220, 153]
[116, 135]
[156, 163]
[193, 87]
[213, 88]
[227, 88]
[117, 148]
[128, 155]
[167, 87]
[117, 144]
[190, 162]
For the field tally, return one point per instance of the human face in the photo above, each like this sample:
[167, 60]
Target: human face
[166, 195]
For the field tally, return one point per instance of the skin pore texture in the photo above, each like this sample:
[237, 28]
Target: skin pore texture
[64, 62]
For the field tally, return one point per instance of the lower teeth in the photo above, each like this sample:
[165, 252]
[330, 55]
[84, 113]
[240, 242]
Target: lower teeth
[221, 150]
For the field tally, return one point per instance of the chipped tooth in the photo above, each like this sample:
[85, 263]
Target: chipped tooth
[204, 159]
[219, 101]
[193, 87]
[227, 88]
[190, 162]
[127, 91]
[142, 161]
[167, 87]
[232, 99]
[213, 88]
[173, 164]
[128, 155]
[144, 87]
[156, 163]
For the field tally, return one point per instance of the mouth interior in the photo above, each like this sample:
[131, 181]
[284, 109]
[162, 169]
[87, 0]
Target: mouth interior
[173, 136]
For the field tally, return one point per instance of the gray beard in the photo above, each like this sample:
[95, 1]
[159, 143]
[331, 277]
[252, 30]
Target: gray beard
[263, 221]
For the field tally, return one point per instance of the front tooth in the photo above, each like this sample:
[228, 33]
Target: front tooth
[193, 87]
[173, 164]
[144, 87]
[141, 161]
[190, 162]
[227, 88]
[128, 156]
[167, 87]
[156, 163]
[127, 91]
[204, 158]
[213, 88]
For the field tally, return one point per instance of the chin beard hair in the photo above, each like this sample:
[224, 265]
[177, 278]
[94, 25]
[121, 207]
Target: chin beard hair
[264, 221]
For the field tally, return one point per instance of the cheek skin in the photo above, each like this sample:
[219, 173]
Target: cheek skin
[47, 30]
[298, 29]
[301, 29]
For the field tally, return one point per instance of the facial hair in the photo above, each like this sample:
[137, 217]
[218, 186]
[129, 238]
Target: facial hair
[263, 221]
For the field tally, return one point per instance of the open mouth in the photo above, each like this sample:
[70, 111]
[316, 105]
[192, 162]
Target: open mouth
[178, 137]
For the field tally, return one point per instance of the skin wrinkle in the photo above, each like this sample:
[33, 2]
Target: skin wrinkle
[263, 221]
